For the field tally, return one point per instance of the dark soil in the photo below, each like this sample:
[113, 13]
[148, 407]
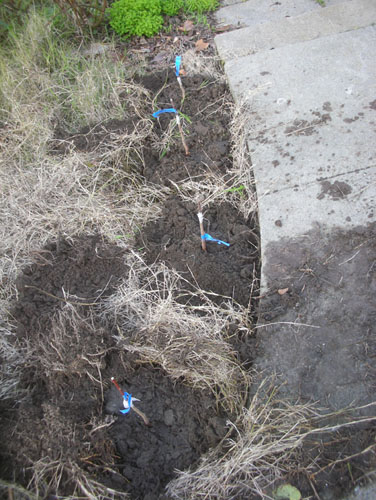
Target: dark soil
[85, 270]
[72, 354]
[207, 136]
[226, 271]
[184, 425]
[64, 402]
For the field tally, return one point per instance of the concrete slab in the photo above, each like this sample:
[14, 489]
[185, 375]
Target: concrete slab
[311, 131]
[294, 211]
[254, 12]
[316, 23]
[365, 493]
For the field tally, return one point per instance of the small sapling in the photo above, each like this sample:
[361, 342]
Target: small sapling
[128, 403]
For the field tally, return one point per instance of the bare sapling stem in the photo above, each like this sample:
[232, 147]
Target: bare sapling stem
[142, 415]
[200, 216]
[182, 90]
[181, 131]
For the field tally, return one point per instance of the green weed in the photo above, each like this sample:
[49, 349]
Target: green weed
[200, 6]
[236, 189]
[186, 117]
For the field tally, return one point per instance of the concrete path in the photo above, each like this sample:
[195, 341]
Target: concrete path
[307, 78]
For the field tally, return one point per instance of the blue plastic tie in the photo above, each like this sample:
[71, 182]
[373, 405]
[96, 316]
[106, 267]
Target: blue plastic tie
[177, 65]
[128, 400]
[168, 110]
[207, 237]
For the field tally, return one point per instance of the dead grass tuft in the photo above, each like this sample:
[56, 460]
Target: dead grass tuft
[237, 186]
[197, 63]
[256, 453]
[186, 341]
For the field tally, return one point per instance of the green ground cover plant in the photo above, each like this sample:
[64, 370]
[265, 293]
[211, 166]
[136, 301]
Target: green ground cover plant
[145, 17]
[200, 6]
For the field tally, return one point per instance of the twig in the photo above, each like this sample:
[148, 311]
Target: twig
[61, 298]
[346, 459]
[142, 415]
[287, 323]
[202, 231]
[313, 488]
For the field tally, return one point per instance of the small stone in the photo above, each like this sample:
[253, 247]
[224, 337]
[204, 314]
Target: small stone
[168, 417]
[278, 223]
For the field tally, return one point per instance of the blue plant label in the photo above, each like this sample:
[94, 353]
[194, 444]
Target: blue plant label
[207, 237]
[167, 110]
[127, 403]
[177, 65]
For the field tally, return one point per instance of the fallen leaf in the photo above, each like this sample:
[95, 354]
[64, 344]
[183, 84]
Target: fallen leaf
[287, 491]
[201, 45]
[282, 291]
[187, 26]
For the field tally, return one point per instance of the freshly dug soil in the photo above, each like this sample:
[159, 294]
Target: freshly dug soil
[206, 129]
[71, 358]
[184, 424]
[225, 271]
[84, 271]
[69, 412]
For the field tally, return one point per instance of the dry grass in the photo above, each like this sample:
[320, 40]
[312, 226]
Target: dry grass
[46, 196]
[237, 186]
[256, 454]
[262, 449]
[69, 445]
[197, 63]
[187, 341]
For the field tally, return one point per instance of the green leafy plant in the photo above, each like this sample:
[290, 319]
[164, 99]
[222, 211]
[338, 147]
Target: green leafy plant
[200, 6]
[136, 17]
[236, 189]
[145, 17]
[171, 7]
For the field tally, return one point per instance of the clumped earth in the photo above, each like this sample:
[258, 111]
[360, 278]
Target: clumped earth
[65, 414]
[69, 410]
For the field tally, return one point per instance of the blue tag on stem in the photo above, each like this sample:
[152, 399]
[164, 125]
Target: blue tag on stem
[168, 110]
[127, 403]
[207, 237]
[177, 65]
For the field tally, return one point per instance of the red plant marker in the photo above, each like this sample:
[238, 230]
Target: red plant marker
[117, 386]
